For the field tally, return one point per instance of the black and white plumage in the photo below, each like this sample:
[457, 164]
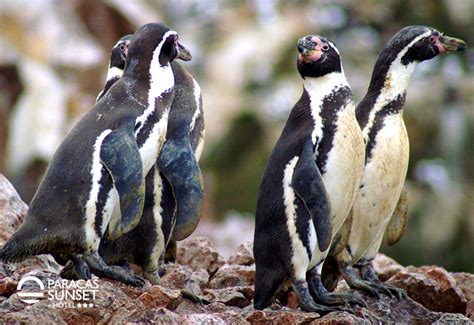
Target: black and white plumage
[310, 181]
[387, 152]
[96, 179]
[174, 189]
[118, 56]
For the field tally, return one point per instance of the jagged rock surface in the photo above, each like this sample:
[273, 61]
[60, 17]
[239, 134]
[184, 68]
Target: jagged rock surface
[225, 289]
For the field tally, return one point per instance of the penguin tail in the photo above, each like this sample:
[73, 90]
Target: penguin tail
[19, 247]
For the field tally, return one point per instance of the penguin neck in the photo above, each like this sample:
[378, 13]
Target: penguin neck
[114, 73]
[387, 90]
[324, 85]
[319, 88]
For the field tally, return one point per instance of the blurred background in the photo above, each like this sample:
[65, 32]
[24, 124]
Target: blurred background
[53, 63]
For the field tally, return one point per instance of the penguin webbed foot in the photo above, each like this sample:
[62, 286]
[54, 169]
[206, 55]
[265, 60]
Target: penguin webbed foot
[99, 268]
[76, 269]
[153, 276]
[367, 273]
[188, 294]
[306, 301]
[320, 294]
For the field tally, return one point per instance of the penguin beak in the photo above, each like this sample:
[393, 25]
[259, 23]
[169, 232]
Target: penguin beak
[450, 44]
[305, 47]
[310, 50]
[183, 53]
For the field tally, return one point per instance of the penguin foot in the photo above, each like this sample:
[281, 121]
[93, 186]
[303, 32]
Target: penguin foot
[154, 276]
[307, 303]
[368, 273]
[321, 294]
[81, 268]
[99, 268]
[389, 289]
[194, 298]
[76, 268]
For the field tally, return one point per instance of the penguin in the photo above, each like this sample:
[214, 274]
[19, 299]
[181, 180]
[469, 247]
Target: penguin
[174, 193]
[381, 196]
[145, 245]
[309, 183]
[118, 56]
[184, 140]
[96, 179]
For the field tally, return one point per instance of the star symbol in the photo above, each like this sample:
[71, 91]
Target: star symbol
[91, 305]
[79, 305]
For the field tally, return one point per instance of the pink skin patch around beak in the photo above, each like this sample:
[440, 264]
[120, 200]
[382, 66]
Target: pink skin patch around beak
[317, 51]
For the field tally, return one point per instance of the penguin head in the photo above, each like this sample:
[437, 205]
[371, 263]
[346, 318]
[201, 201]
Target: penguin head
[118, 54]
[153, 41]
[420, 43]
[317, 56]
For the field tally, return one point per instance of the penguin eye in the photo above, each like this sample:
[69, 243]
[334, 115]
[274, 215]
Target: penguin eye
[325, 48]
[122, 47]
[432, 39]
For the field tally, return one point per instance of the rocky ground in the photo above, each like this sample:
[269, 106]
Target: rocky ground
[225, 289]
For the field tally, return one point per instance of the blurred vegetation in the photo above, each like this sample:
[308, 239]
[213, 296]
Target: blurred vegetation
[244, 59]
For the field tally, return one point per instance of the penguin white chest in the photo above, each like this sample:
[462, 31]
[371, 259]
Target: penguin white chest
[381, 185]
[151, 148]
[344, 166]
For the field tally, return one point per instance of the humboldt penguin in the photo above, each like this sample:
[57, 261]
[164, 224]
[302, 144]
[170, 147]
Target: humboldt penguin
[174, 194]
[96, 179]
[118, 56]
[309, 183]
[380, 195]
[145, 244]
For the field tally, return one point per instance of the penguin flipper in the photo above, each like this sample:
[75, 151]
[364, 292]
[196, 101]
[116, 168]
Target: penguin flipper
[308, 184]
[178, 163]
[120, 155]
[398, 223]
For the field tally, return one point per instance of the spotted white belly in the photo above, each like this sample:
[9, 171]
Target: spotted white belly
[381, 186]
[344, 167]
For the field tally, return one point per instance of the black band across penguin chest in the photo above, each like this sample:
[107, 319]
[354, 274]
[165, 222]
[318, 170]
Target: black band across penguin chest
[391, 108]
[331, 105]
[153, 118]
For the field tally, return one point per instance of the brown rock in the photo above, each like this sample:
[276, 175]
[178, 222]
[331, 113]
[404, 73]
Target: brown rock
[433, 287]
[12, 209]
[243, 256]
[187, 307]
[111, 305]
[232, 317]
[233, 275]
[156, 315]
[386, 267]
[176, 276]
[198, 253]
[282, 317]
[228, 296]
[7, 286]
[201, 319]
[216, 307]
[198, 281]
[465, 282]
[339, 318]
[159, 296]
